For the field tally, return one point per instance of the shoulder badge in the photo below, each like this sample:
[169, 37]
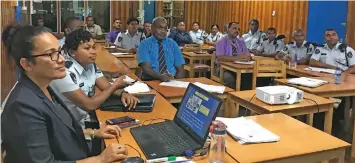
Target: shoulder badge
[264, 39]
[263, 36]
[68, 64]
[285, 48]
[317, 51]
[73, 77]
[349, 54]
[119, 39]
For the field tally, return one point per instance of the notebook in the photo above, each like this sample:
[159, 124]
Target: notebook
[114, 103]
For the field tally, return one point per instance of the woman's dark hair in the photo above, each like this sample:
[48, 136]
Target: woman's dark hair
[18, 40]
[215, 25]
[75, 38]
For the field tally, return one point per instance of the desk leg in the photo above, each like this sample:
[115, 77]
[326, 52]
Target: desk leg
[328, 120]
[353, 145]
[227, 107]
[192, 70]
[221, 74]
[341, 158]
[237, 82]
[309, 119]
[346, 115]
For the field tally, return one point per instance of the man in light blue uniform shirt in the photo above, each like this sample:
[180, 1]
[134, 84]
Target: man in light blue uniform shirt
[160, 57]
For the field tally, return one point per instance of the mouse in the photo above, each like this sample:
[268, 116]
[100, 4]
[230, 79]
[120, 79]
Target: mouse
[133, 160]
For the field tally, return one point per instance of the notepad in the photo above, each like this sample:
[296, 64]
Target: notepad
[118, 54]
[247, 131]
[137, 87]
[245, 63]
[175, 83]
[317, 69]
[308, 82]
[211, 88]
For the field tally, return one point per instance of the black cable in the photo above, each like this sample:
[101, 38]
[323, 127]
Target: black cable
[232, 156]
[314, 102]
[140, 155]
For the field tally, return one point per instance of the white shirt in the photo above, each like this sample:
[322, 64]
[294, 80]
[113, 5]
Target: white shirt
[334, 56]
[126, 41]
[95, 30]
[77, 77]
[61, 42]
[252, 41]
[302, 52]
[271, 47]
[199, 36]
[214, 38]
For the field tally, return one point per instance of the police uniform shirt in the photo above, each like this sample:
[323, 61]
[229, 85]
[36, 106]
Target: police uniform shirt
[302, 53]
[214, 38]
[181, 38]
[271, 47]
[336, 56]
[252, 41]
[77, 77]
[95, 30]
[126, 41]
[198, 37]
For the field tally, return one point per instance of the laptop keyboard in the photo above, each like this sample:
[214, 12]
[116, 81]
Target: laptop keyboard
[167, 133]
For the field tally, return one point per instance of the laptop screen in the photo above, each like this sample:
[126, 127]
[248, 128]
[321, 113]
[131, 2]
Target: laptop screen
[198, 108]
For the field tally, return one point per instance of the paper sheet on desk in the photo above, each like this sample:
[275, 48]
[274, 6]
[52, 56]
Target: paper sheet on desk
[137, 87]
[317, 69]
[247, 131]
[245, 63]
[118, 54]
[175, 83]
[211, 88]
[308, 82]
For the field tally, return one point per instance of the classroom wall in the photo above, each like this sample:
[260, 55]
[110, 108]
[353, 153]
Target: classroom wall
[8, 69]
[123, 10]
[350, 24]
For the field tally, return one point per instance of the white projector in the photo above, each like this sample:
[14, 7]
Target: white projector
[279, 94]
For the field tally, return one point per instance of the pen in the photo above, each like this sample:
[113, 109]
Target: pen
[163, 159]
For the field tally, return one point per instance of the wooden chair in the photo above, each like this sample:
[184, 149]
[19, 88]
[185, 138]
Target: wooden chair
[213, 77]
[268, 68]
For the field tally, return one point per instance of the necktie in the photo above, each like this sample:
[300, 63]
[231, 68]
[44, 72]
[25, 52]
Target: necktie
[162, 65]
[234, 48]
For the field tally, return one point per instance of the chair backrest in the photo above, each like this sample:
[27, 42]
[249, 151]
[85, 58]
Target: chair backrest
[192, 47]
[268, 68]
[213, 59]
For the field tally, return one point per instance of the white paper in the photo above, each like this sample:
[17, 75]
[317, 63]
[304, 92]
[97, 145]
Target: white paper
[127, 79]
[175, 83]
[137, 87]
[245, 63]
[248, 131]
[317, 69]
[308, 82]
[211, 88]
[119, 54]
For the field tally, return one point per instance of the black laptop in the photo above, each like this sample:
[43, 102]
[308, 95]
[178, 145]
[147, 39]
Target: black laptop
[188, 130]
[114, 103]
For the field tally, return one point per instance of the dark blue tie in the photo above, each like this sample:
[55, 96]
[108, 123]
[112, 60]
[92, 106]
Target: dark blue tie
[162, 65]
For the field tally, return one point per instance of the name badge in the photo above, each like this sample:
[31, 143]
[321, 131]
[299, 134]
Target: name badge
[81, 84]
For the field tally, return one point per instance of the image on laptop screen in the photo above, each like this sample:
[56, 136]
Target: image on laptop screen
[197, 110]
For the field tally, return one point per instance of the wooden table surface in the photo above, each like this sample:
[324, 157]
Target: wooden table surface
[107, 62]
[301, 72]
[162, 109]
[192, 54]
[305, 107]
[299, 143]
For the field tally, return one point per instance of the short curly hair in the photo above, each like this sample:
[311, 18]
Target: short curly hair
[75, 38]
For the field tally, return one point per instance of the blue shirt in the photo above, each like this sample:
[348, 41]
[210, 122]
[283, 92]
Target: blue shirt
[148, 52]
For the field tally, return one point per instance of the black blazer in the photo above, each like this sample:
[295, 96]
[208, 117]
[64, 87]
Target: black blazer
[35, 130]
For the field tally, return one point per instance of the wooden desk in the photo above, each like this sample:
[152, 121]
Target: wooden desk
[300, 72]
[206, 47]
[299, 143]
[305, 107]
[237, 68]
[162, 109]
[107, 62]
[174, 94]
[192, 57]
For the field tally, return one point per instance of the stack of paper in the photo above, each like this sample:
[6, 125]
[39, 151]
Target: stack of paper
[137, 87]
[245, 63]
[175, 83]
[317, 69]
[118, 54]
[308, 82]
[211, 88]
[247, 131]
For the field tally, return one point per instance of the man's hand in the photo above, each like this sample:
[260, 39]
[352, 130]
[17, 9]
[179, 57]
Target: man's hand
[108, 132]
[166, 77]
[113, 153]
[129, 100]
[133, 50]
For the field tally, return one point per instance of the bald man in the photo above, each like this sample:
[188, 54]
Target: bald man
[300, 49]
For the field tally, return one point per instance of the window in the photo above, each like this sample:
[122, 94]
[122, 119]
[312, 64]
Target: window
[100, 11]
[47, 10]
[70, 9]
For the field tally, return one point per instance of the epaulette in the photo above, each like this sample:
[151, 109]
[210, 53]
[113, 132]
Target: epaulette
[265, 39]
[342, 47]
[68, 64]
[290, 43]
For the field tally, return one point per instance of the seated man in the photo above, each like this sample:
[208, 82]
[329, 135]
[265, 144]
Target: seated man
[333, 54]
[198, 35]
[271, 45]
[179, 35]
[299, 47]
[127, 42]
[159, 57]
[231, 49]
[93, 28]
[111, 36]
[254, 37]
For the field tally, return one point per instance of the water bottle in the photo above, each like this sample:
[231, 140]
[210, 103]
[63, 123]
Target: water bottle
[337, 76]
[217, 147]
[293, 62]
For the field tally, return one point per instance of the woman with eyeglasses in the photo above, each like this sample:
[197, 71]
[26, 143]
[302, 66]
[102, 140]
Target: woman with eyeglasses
[36, 125]
[77, 88]
[215, 35]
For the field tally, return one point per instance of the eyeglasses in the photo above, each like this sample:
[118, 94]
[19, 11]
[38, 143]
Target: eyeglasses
[54, 55]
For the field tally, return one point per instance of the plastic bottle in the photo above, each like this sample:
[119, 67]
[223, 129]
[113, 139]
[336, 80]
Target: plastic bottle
[337, 76]
[217, 147]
